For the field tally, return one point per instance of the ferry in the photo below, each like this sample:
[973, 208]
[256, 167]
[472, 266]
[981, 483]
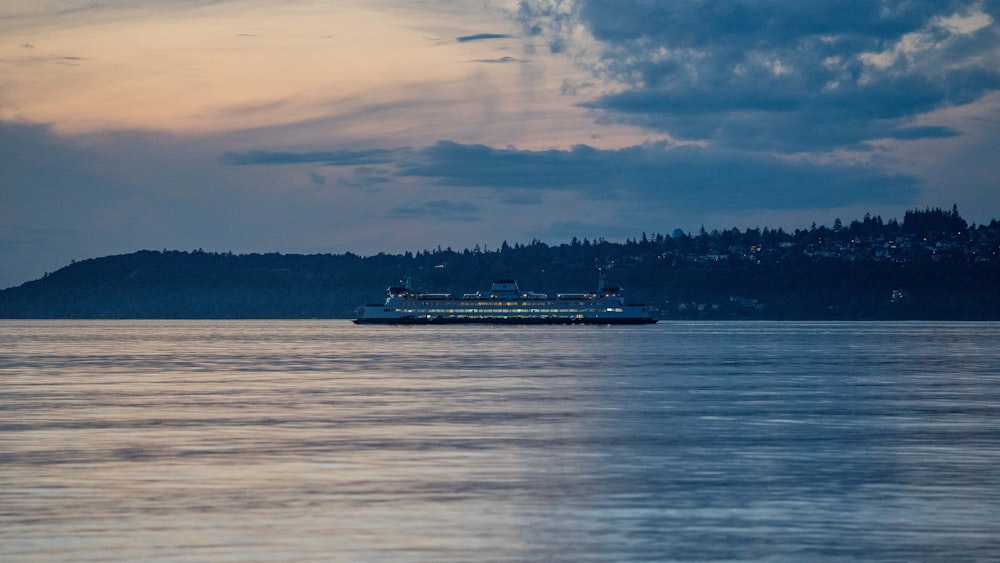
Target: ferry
[505, 304]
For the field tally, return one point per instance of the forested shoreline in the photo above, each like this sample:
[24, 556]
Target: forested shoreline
[930, 266]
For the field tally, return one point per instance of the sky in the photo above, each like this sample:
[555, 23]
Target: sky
[309, 126]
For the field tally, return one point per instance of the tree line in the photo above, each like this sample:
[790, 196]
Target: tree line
[932, 265]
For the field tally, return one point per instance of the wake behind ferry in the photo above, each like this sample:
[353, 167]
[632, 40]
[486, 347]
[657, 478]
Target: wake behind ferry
[505, 304]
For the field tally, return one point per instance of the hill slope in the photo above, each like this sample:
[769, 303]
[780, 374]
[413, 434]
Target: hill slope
[932, 266]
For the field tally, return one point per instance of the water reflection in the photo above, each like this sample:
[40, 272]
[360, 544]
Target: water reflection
[308, 440]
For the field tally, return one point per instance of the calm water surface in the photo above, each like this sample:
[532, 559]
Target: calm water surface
[321, 440]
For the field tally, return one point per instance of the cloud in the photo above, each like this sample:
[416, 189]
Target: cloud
[440, 209]
[328, 158]
[317, 179]
[685, 178]
[781, 75]
[481, 37]
[924, 132]
[367, 178]
[512, 196]
[456, 164]
[794, 108]
[552, 20]
[500, 60]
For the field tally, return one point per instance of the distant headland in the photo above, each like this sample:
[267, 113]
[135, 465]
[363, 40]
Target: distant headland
[932, 265]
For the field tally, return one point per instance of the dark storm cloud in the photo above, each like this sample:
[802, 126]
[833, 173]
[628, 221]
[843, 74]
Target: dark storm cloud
[481, 37]
[926, 132]
[688, 178]
[750, 24]
[456, 164]
[778, 119]
[782, 75]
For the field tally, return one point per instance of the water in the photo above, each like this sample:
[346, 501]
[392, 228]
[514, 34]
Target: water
[321, 440]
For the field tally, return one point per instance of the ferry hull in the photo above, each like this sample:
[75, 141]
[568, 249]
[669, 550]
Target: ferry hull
[505, 304]
[505, 321]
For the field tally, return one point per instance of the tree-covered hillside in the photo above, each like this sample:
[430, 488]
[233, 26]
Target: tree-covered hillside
[933, 265]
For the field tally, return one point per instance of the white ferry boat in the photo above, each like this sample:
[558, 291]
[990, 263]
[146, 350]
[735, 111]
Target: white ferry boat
[505, 303]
